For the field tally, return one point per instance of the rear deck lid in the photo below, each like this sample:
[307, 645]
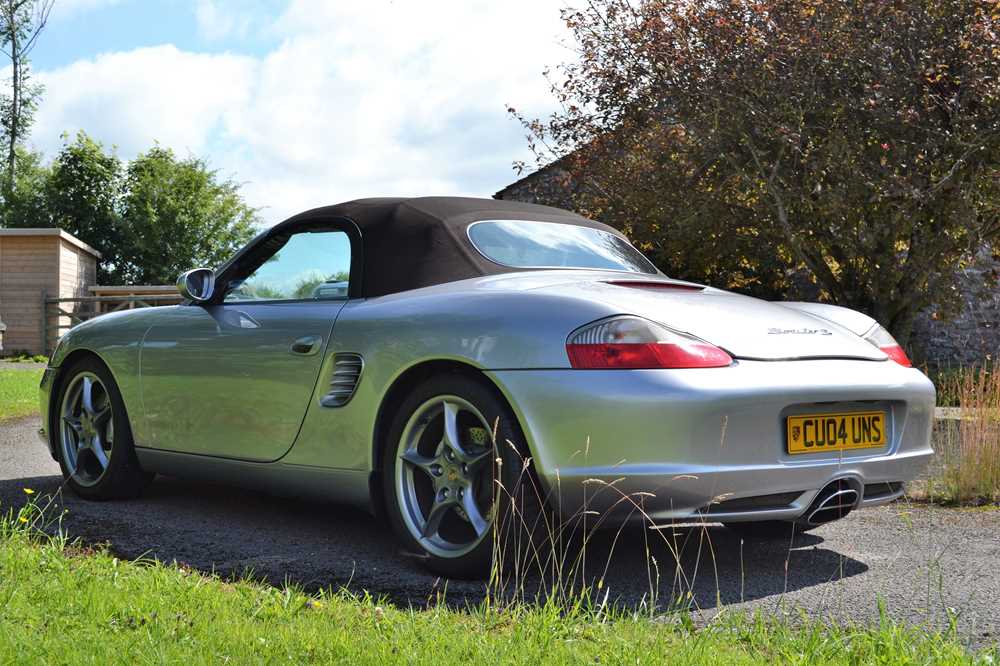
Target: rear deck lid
[747, 328]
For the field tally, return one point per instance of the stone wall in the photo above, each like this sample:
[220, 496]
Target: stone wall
[973, 334]
[551, 186]
[970, 336]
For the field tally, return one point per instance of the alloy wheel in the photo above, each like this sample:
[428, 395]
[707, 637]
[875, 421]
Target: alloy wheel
[86, 432]
[444, 477]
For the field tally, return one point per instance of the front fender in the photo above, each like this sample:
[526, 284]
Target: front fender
[115, 338]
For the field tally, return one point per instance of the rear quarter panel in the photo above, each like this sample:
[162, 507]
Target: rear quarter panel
[485, 328]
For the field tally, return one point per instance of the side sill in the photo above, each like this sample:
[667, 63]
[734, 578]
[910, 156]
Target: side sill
[347, 486]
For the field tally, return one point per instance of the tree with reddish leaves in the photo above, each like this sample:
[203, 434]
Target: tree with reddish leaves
[744, 143]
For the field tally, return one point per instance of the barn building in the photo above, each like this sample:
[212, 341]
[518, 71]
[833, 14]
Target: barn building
[35, 265]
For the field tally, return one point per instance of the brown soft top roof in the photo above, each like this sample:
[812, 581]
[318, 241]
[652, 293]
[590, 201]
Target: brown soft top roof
[409, 243]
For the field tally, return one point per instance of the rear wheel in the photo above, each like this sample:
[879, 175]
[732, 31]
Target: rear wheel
[93, 437]
[451, 440]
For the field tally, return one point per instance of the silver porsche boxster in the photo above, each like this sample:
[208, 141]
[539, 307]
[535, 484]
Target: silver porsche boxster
[425, 357]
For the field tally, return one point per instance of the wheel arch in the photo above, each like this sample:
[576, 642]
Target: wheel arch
[71, 359]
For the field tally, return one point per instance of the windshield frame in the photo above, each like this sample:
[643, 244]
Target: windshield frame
[468, 232]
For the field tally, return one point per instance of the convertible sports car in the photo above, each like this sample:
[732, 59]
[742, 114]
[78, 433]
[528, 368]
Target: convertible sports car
[413, 356]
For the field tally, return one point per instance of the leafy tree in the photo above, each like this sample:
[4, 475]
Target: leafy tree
[854, 142]
[21, 22]
[260, 291]
[150, 220]
[82, 195]
[176, 214]
[25, 204]
[306, 287]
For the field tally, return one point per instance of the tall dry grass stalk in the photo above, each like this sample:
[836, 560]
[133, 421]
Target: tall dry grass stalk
[540, 552]
[970, 473]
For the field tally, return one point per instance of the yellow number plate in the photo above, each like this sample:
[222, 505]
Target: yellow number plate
[814, 433]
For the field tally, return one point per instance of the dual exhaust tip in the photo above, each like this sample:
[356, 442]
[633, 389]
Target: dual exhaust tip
[837, 499]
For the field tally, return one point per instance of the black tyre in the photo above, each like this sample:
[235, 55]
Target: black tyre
[768, 530]
[451, 440]
[92, 436]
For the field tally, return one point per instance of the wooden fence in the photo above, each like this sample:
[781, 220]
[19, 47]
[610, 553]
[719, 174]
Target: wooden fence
[62, 314]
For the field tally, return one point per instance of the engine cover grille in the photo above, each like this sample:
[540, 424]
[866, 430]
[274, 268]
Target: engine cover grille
[347, 369]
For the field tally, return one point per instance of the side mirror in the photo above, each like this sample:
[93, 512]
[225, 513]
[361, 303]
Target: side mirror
[197, 285]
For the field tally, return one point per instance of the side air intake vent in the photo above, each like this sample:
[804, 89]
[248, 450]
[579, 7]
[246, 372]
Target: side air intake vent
[346, 374]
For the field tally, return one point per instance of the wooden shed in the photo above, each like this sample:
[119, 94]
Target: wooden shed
[36, 264]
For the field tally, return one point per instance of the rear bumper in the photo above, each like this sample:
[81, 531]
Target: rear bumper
[689, 442]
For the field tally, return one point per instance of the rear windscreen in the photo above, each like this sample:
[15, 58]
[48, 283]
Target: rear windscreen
[530, 244]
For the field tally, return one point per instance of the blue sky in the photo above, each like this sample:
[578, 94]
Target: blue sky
[306, 102]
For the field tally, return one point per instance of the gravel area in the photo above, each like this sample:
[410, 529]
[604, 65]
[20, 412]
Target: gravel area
[924, 563]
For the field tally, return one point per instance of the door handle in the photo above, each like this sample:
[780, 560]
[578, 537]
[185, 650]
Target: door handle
[306, 346]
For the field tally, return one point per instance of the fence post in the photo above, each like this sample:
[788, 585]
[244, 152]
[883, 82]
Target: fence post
[81, 310]
[45, 322]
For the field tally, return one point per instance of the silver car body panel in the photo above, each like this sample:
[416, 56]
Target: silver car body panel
[225, 380]
[116, 338]
[696, 437]
[688, 436]
[743, 326]
[854, 321]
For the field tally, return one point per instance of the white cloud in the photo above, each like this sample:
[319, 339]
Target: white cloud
[63, 9]
[218, 19]
[357, 99]
[213, 23]
[135, 98]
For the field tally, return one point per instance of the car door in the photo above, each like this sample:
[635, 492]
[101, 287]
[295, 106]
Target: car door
[233, 377]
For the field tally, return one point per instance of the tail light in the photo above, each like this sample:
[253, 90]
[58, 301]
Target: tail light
[882, 339]
[635, 343]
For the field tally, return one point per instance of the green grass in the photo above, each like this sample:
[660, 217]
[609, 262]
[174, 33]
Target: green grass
[18, 393]
[63, 604]
[25, 357]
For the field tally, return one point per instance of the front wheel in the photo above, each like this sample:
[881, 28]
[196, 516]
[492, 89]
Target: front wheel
[455, 469]
[92, 435]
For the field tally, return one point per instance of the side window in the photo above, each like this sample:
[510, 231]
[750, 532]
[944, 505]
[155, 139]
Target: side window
[310, 265]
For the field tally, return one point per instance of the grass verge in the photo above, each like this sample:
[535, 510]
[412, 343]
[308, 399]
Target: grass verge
[25, 357]
[18, 393]
[967, 469]
[62, 603]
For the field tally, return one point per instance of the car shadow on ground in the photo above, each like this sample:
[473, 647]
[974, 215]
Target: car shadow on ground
[233, 532]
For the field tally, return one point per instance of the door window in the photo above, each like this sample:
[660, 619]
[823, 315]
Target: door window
[308, 266]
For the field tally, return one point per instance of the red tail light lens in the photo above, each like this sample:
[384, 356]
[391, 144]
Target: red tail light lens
[896, 353]
[635, 343]
[882, 339]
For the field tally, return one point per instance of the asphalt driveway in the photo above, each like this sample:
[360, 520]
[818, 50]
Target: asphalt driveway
[924, 563]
